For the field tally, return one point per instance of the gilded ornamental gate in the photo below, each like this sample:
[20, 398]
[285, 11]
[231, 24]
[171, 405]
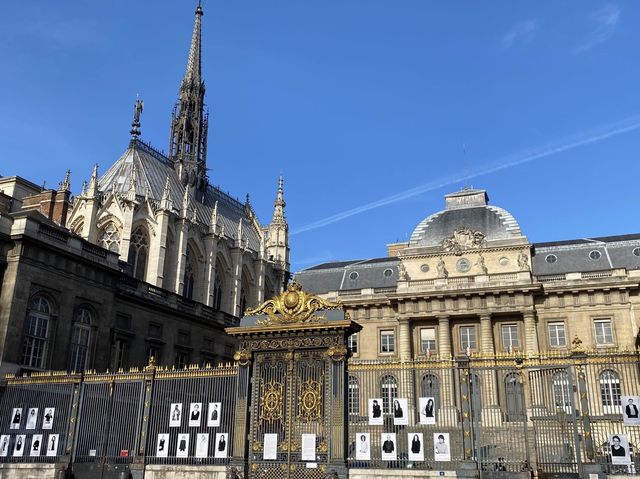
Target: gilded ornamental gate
[296, 362]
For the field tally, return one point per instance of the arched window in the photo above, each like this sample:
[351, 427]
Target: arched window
[610, 392]
[189, 274]
[430, 388]
[138, 252]
[217, 292]
[388, 391]
[36, 335]
[562, 391]
[80, 340]
[109, 238]
[514, 393]
[354, 396]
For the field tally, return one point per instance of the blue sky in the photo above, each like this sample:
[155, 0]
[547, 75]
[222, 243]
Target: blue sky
[377, 107]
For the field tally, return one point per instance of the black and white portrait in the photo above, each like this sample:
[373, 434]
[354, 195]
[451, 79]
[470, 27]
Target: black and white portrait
[36, 445]
[195, 414]
[400, 412]
[375, 412]
[18, 447]
[175, 415]
[4, 445]
[389, 449]
[630, 410]
[32, 418]
[182, 448]
[16, 418]
[427, 406]
[162, 446]
[222, 439]
[47, 418]
[619, 448]
[441, 446]
[202, 445]
[363, 446]
[416, 446]
[52, 445]
[213, 414]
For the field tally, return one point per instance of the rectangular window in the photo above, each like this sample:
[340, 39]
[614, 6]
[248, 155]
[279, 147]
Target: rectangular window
[155, 330]
[352, 343]
[557, 337]
[184, 337]
[427, 340]
[468, 337]
[604, 333]
[182, 359]
[387, 341]
[154, 351]
[207, 344]
[510, 339]
[120, 353]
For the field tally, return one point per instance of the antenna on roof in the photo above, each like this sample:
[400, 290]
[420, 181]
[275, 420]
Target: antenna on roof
[465, 164]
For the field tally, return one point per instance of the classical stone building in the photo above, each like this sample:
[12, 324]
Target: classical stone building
[469, 282]
[148, 259]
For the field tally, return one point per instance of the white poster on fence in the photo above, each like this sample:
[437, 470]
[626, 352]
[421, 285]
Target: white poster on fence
[416, 446]
[270, 451]
[441, 447]
[363, 446]
[308, 447]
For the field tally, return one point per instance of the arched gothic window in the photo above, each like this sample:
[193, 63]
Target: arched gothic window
[138, 252]
[610, 392]
[189, 275]
[109, 238]
[354, 396]
[80, 340]
[217, 292]
[36, 336]
[388, 391]
[562, 391]
[514, 393]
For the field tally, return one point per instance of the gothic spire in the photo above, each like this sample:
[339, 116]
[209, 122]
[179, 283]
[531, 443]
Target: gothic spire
[65, 185]
[93, 182]
[189, 122]
[279, 204]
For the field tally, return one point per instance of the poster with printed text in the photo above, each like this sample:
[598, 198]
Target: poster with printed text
[630, 410]
[222, 439]
[175, 415]
[363, 446]
[162, 446]
[52, 445]
[36, 445]
[441, 447]
[18, 447]
[182, 448]
[195, 414]
[47, 418]
[213, 414]
[400, 412]
[16, 418]
[270, 448]
[202, 445]
[32, 418]
[375, 412]
[427, 406]
[389, 448]
[4, 445]
[619, 449]
[416, 446]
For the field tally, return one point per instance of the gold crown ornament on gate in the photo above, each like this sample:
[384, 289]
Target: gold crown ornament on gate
[292, 306]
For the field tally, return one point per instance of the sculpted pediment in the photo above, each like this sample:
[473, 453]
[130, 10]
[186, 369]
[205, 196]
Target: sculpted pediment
[464, 239]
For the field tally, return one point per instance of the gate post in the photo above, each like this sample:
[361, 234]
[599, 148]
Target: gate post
[139, 460]
[73, 423]
[466, 408]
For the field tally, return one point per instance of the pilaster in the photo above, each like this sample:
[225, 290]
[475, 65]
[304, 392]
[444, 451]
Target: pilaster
[236, 279]
[211, 252]
[183, 228]
[158, 250]
[530, 332]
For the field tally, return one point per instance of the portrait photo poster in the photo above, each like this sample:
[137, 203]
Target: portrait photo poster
[375, 412]
[363, 446]
[4, 445]
[32, 418]
[416, 446]
[36, 445]
[389, 449]
[427, 406]
[162, 446]
[400, 412]
[182, 448]
[619, 449]
[441, 447]
[270, 451]
[308, 447]
[175, 414]
[195, 413]
[52, 445]
[222, 443]
[213, 414]
[18, 447]
[202, 445]
[16, 418]
[47, 418]
[630, 410]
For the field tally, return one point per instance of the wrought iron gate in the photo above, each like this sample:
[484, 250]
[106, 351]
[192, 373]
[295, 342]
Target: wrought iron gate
[289, 393]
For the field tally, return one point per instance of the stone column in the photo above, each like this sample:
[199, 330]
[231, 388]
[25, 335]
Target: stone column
[444, 337]
[448, 413]
[486, 335]
[530, 332]
[404, 339]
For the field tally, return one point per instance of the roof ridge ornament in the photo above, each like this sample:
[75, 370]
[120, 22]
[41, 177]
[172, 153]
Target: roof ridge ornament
[292, 306]
[135, 124]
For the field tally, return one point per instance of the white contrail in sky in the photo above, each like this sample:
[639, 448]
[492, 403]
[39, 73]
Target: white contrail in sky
[565, 144]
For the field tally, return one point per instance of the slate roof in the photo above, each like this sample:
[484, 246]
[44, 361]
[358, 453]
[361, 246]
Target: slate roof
[150, 168]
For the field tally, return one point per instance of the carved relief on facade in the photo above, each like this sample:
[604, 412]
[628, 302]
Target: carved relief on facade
[464, 239]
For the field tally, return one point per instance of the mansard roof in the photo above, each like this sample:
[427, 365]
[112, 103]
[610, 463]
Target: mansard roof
[149, 169]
